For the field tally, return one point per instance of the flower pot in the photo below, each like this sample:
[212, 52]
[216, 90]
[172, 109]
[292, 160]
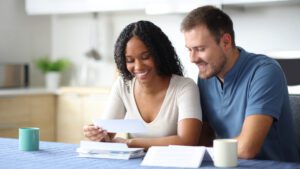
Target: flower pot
[52, 80]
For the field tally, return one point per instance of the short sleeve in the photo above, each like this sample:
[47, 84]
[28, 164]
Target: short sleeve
[189, 101]
[115, 108]
[266, 91]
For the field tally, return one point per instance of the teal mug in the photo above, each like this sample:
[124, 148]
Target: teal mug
[29, 138]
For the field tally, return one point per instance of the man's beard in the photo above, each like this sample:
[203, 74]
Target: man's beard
[214, 70]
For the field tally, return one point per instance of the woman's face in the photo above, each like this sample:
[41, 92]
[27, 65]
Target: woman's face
[139, 62]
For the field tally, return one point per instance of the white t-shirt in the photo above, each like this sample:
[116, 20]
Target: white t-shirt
[181, 101]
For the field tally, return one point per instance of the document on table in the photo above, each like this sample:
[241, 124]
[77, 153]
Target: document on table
[121, 126]
[208, 155]
[108, 150]
[174, 156]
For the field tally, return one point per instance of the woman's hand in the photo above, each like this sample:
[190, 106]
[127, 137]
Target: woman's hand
[122, 140]
[95, 133]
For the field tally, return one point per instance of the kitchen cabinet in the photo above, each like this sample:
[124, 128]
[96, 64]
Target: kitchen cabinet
[76, 108]
[42, 7]
[36, 110]
[37, 7]
[256, 2]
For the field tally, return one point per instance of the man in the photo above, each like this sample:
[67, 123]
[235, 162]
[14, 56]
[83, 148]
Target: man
[243, 95]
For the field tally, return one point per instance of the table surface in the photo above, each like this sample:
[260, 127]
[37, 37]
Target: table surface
[63, 156]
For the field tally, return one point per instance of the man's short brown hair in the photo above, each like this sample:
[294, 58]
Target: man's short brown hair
[216, 21]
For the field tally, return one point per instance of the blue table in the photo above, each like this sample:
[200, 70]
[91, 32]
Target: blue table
[63, 156]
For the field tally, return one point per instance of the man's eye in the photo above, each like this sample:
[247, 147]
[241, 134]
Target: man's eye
[200, 49]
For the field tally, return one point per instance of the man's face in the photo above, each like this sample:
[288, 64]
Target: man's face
[205, 52]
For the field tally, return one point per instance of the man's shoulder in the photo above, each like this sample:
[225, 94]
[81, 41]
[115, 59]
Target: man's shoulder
[256, 59]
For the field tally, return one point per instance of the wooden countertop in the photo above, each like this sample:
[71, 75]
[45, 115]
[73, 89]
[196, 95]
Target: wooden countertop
[62, 90]
[82, 91]
[25, 91]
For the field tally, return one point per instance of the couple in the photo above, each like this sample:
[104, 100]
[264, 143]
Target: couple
[243, 95]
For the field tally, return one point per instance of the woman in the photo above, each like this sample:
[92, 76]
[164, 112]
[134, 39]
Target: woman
[151, 89]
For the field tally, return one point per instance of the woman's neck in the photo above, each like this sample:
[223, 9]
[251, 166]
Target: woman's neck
[159, 84]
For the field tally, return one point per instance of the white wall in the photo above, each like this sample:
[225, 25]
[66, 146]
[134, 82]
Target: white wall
[265, 29]
[23, 38]
[73, 36]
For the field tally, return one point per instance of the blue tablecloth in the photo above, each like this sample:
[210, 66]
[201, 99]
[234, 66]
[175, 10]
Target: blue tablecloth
[54, 155]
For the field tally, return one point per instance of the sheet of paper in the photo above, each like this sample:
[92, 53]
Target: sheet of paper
[174, 156]
[108, 150]
[116, 147]
[122, 126]
[208, 155]
[123, 156]
[108, 156]
[102, 145]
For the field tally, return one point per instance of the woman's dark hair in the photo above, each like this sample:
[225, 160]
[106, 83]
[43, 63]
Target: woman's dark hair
[158, 44]
[216, 21]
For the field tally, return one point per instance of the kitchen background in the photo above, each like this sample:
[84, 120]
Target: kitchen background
[35, 28]
[31, 29]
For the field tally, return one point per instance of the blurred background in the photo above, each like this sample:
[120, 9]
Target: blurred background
[31, 29]
[84, 32]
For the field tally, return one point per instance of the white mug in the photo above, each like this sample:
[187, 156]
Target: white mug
[225, 152]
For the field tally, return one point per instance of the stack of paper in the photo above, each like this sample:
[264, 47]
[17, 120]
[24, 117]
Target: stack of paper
[108, 150]
[177, 156]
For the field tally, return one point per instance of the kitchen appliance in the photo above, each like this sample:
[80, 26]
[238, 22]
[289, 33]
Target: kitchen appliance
[291, 67]
[14, 75]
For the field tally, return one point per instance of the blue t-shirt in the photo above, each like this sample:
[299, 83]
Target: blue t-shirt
[255, 85]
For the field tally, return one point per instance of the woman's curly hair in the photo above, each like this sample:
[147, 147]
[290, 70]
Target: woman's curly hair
[158, 45]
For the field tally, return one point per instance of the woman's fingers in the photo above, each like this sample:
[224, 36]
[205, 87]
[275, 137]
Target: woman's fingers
[88, 127]
[89, 130]
[96, 133]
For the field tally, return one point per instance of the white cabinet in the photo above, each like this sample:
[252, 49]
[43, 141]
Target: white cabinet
[38, 7]
[77, 108]
[254, 2]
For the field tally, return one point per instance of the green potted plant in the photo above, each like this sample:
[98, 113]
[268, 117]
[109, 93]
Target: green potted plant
[52, 70]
